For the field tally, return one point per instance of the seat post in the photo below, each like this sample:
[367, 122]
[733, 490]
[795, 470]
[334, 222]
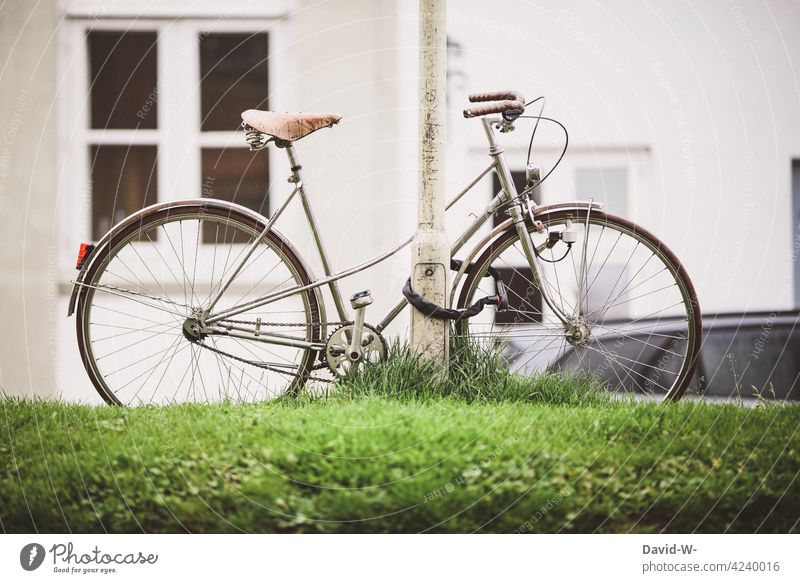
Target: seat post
[294, 163]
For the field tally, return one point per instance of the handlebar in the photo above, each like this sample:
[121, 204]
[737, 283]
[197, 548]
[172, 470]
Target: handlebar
[497, 102]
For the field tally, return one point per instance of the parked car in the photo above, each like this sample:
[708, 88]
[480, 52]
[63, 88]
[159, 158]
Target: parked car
[748, 355]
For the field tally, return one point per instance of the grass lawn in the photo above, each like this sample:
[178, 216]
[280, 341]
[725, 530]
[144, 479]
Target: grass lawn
[381, 455]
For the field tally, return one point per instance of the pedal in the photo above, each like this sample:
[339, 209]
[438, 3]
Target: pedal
[361, 299]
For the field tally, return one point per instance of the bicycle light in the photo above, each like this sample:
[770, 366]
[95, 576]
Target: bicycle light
[533, 175]
[569, 234]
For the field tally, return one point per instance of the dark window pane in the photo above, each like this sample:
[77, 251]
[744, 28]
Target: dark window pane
[237, 175]
[123, 73]
[123, 181]
[524, 298]
[233, 78]
[518, 176]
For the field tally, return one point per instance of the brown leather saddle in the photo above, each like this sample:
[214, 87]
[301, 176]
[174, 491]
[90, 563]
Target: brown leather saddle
[288, 126]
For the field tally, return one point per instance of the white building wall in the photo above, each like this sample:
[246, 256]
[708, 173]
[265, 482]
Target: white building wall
[706, 92]
[28, 283]
[357, 59]
[700, 102]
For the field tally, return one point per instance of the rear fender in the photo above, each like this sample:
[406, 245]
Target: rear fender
[101, 247]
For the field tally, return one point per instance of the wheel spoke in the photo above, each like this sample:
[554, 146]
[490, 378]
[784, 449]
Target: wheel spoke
[631, 319]
[143, 341]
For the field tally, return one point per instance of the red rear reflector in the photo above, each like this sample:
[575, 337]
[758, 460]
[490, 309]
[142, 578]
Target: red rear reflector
[83, 253]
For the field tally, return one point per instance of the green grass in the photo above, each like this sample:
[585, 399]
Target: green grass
[401, 450]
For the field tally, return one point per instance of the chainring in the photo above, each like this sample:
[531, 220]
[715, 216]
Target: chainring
[373, 349]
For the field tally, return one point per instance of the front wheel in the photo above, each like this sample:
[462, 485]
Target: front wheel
[625, 309]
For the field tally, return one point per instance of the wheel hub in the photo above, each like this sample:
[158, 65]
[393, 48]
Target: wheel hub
[193, 330]
[578, 333]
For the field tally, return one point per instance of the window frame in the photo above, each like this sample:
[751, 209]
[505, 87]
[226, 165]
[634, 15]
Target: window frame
[560, 185]
[177, 137]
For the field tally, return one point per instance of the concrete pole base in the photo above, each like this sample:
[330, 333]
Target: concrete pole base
[430, 254]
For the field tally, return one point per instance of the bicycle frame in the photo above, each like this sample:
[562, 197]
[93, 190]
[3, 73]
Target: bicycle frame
[505, 197]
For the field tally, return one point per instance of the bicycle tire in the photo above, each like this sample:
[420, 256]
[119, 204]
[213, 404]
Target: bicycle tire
[689, 303]
[204, 211]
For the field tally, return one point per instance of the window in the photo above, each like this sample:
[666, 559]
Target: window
[122, 95]
[608, 185]
[518, 176]
[123, 181]
[234, 174]
[524, 298]
[123, 79]
[158, 116]
[233, 77]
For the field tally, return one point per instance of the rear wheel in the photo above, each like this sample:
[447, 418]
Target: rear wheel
[139, 311]
[632, 317]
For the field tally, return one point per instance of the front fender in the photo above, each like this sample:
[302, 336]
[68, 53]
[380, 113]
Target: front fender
[539, 211]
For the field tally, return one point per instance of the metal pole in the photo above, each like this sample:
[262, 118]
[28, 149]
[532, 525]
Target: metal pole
[430, 253]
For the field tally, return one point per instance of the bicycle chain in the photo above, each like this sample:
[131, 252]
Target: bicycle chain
[264, 366]
[252, 323]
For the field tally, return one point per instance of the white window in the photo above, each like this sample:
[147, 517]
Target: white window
[617, 177]
[150, 112]
[605, 184]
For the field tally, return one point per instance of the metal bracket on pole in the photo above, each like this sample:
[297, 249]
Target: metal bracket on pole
[430, 253]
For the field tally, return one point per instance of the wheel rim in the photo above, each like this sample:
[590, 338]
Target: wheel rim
[634, 323]
[137, 346]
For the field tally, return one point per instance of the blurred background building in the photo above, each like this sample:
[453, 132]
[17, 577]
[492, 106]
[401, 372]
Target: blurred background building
[684, 117]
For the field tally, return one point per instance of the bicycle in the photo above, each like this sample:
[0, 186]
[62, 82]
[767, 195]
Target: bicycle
[204, 300]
